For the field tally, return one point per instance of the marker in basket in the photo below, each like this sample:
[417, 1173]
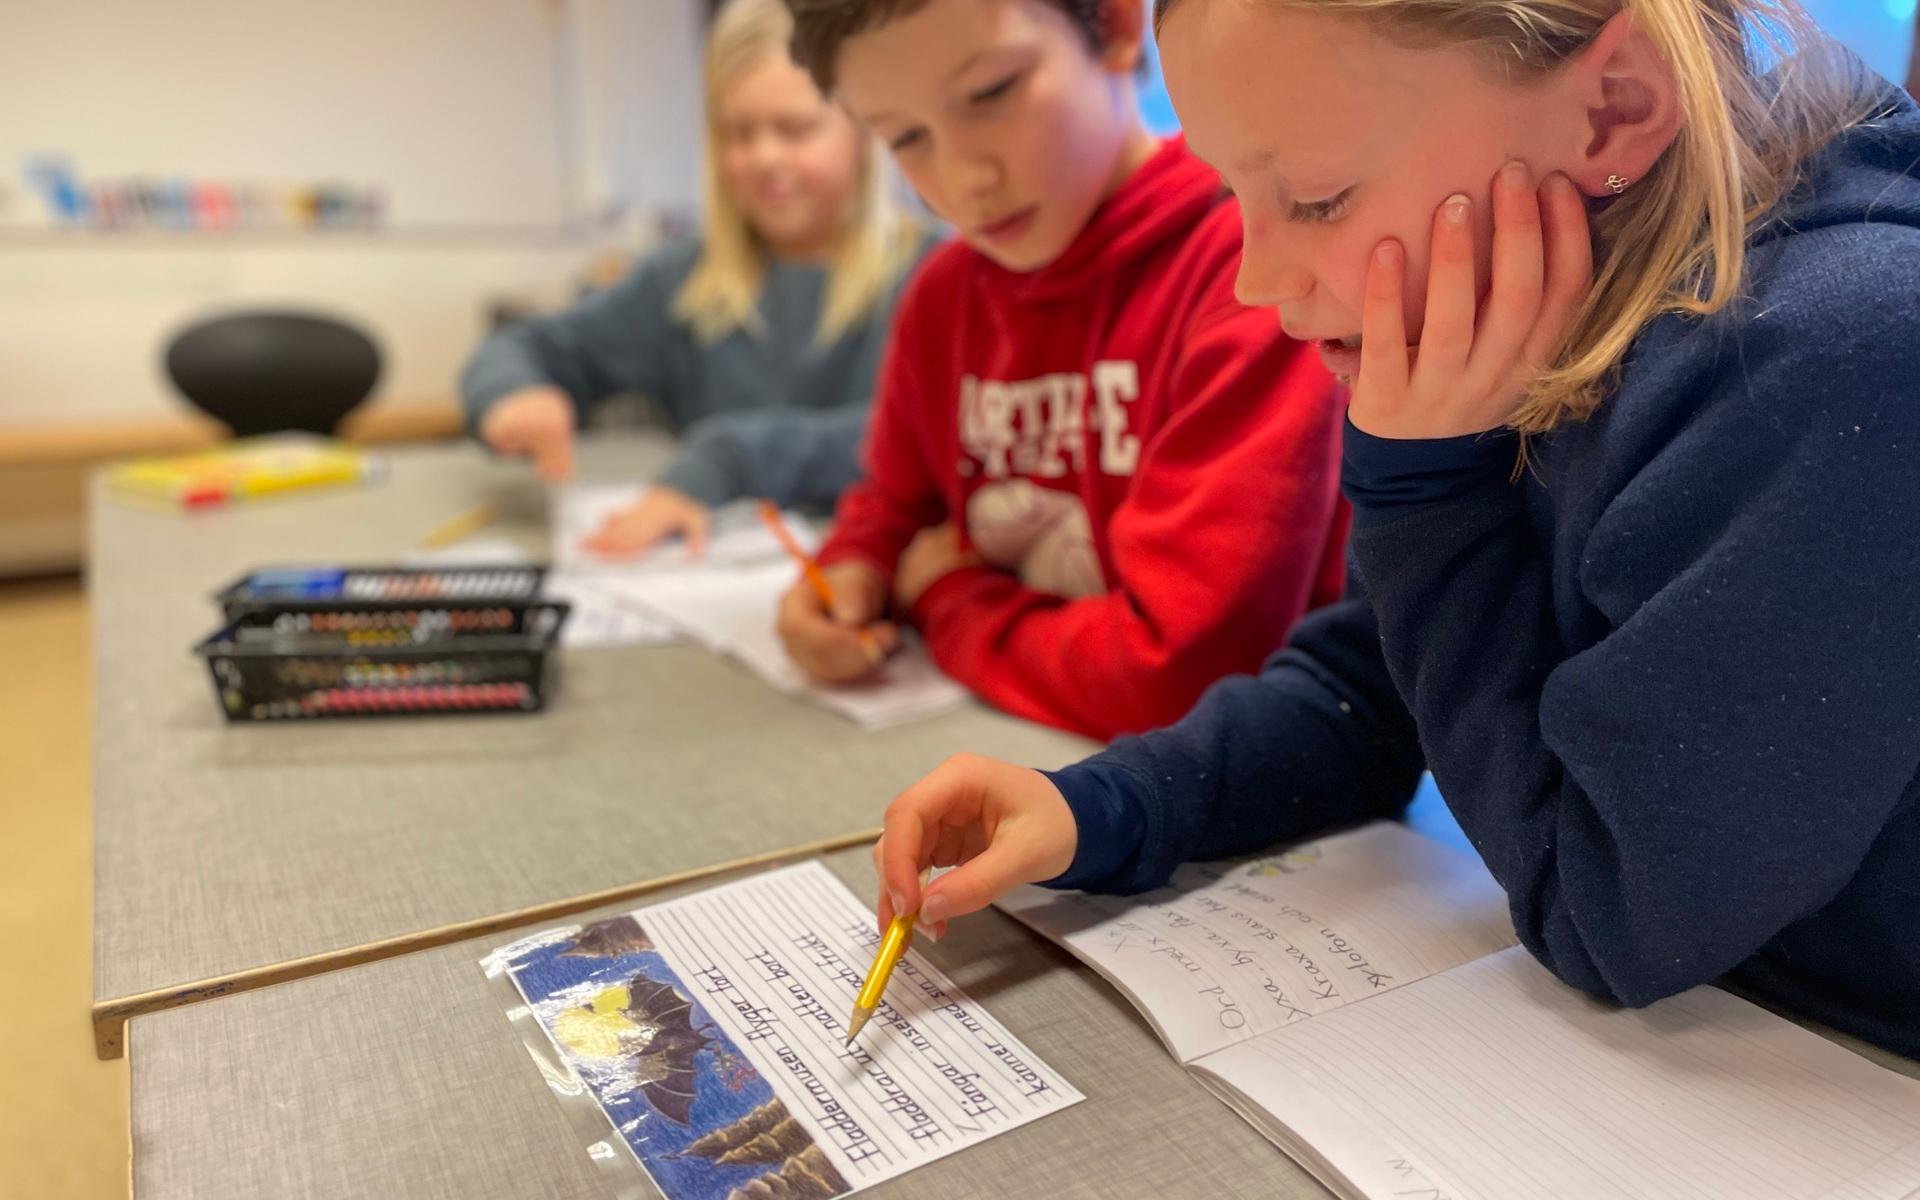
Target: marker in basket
[899, 935]
[770, 513]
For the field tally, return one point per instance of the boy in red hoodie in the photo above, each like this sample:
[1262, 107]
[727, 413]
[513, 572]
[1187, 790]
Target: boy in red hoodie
[1095, 482]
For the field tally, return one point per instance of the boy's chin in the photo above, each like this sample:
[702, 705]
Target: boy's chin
[1023, 259]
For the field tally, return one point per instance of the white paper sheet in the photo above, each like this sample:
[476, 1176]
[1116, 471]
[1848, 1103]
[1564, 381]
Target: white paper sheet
[738, 535]
[710, 1031]
[732, 611]
[601, 616]
[1226, 953]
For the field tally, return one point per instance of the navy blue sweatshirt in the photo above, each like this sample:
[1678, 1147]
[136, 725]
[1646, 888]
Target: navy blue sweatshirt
[1668, 681]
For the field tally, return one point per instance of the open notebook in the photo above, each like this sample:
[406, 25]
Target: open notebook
[1362, 1003]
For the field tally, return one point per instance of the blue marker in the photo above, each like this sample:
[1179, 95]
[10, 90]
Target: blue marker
[298, 583]
[54, 178]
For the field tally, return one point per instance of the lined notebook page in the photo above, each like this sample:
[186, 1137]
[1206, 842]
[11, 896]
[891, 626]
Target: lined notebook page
[1231, 950]
[1494, 1081]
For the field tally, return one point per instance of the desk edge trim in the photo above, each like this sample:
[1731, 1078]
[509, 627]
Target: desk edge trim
[110, 1017]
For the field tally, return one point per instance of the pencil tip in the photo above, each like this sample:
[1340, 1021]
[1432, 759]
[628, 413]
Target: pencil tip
[858, 1023]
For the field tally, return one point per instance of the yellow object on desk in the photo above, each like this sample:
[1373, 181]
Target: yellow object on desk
[242, 470]
[892, 946]
[459, 528]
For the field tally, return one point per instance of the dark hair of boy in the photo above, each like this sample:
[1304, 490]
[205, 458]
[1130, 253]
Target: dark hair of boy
[821, 26]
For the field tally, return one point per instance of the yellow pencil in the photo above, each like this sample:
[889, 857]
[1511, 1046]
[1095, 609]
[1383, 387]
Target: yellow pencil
[892, 946]
[462, 526]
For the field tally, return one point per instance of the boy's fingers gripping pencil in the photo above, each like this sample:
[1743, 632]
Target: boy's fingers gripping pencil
[816, 578]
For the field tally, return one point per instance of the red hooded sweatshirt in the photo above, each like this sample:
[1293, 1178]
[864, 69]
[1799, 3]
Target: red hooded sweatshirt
[1149, 468]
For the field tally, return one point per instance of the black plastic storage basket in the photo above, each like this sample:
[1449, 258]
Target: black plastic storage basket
[319, 589]
[382, 659]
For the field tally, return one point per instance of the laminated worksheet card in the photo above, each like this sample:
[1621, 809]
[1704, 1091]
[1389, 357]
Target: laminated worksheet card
[703, 1040]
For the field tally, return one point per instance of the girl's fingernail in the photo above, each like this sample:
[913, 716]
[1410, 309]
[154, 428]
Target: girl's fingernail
[1455, 209]
[935, 909]
[899, 904]
[1515, 172]
[1387, 254]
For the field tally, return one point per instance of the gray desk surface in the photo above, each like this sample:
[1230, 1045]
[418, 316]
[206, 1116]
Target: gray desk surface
[223, 848]
[404, 1078]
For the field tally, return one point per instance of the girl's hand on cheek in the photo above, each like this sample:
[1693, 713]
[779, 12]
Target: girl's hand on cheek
[1471, 368]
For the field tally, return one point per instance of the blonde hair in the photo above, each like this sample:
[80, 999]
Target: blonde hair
[1676, 240]
[876, 243]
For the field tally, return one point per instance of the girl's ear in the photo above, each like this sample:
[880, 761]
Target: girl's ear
[1123, 32]
[1632, 102]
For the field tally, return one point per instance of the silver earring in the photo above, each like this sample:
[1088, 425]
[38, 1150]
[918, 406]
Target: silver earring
[1617, 184]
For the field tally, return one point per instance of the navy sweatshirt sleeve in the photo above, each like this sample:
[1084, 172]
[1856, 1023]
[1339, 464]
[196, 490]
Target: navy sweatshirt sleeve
[1714, 767]
[609, 343]
[1318, 738]
[792, 456]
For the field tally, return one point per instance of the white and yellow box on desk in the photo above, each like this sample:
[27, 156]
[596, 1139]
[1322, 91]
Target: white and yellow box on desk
[247, 469]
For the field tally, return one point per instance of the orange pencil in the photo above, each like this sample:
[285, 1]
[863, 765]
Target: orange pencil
[816, 578]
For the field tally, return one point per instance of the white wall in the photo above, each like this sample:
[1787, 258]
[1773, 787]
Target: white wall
[83, 329]
[637, 64]
[503, 133]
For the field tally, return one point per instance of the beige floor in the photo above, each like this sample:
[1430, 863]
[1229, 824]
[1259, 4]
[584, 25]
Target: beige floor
[63, 1114]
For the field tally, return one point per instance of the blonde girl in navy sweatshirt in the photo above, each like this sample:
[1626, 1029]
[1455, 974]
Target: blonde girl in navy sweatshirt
[1631, 303]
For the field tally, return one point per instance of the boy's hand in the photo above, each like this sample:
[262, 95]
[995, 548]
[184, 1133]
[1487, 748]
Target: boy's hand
[536, 423]
[1471, 368]
[934, 552]
[847, 644]
[998, 824]
[662, 512]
